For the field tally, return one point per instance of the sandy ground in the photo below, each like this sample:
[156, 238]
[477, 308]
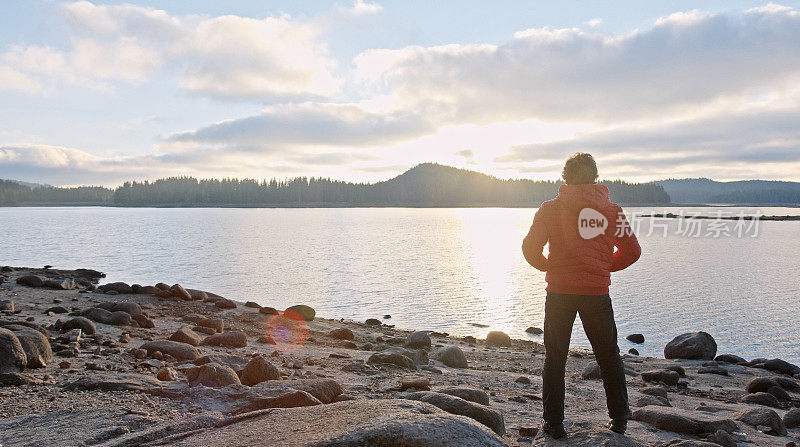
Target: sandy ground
[495, 370]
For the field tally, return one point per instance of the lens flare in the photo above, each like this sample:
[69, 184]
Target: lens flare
[288, 330]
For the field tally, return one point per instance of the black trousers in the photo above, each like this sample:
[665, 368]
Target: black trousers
[597, 317]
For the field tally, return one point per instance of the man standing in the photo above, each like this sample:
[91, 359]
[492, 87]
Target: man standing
[583, 228]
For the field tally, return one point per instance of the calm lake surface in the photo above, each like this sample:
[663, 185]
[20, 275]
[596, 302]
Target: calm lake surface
[437, 269]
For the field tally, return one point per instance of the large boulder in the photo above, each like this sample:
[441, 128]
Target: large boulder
[763, 416]
[30, 281]
[259, 370]
[466, 393]
[456, 405]
[181, 351]
[100, 315]
[119, 287]
[765, 399]
[178, 291]
[300, 311]
[186, 335]
[12, 356]
[418, 340]
[395, 356]
[60, 284]
[84, 324]
[498, 338]
[683, 421]
[364, 422]
[760, 384]
[451, 356]
[218, 324]
[782, 366]
[325, 390]
[212, 375]
[691, 346]
[230, 339]
[123, 306]
[792, 418]
[35, 345]
[116, 382]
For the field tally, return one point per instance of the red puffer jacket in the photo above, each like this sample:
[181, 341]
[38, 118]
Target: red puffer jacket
[582, 226]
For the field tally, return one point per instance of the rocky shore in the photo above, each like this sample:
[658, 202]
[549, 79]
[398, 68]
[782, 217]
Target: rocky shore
[88, 363]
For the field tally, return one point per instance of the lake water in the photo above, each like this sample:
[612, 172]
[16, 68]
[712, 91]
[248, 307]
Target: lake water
[437, 269]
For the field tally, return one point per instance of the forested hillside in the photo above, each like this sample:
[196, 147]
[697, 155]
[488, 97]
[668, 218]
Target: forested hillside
[427, 184]
[12, 193]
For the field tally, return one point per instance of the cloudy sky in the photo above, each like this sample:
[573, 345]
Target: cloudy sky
[99, 93]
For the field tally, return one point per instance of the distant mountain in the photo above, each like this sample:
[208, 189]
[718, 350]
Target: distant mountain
[703, 190]
[29, 185]
[14, 192]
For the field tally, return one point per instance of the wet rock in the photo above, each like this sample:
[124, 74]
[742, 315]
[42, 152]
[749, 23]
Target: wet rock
[763, 416]
[230, 339]
[186, 335]
[252, 305]
[178, 291]
[119, 287]
[30, 281]
[792, 418]
[451, 356]
[418, 340]
[787, 383]
[691, 346]
[259, 370]
[35, 345]
[466, 393]
[729, 358]
[666, 376]
[181, 351]
[635, 338]
[456, 405]
[267, 310]
[12, 356]
[84, 324]
[212, 375]
[498, 338]
[300, 311]
[761, 399]
[342, 334]
[6, 306]
[633, 351]
[683, 421]
[782, 366]
[373, 322]
[534, 330]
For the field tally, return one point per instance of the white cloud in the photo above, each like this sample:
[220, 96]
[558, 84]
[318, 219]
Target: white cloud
[229, 57]
[361, 7]
[683, 62]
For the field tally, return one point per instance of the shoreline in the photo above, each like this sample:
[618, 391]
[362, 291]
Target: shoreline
[332, 368]
[376, 205]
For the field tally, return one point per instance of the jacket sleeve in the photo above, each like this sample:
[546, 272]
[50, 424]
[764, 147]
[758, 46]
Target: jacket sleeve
[534, 242]
[628, 249]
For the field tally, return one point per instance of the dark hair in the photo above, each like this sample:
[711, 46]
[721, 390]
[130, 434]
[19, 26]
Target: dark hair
[580, 169]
